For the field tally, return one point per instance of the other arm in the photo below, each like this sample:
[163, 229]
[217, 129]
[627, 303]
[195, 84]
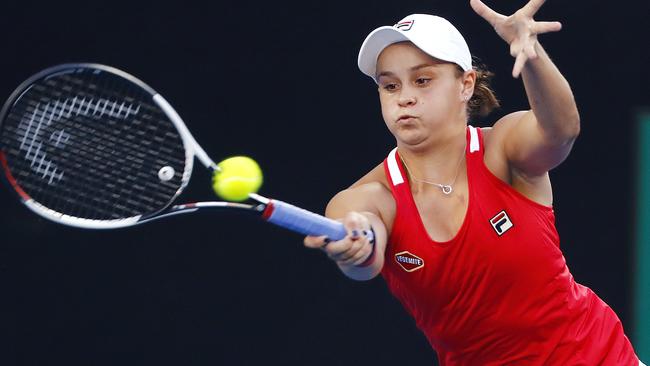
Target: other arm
[534, 141]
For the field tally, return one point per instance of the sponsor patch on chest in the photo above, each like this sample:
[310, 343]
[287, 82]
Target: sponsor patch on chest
[408, 261]
[501, 222]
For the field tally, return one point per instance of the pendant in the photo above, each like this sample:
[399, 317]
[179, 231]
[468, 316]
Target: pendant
[446, 189]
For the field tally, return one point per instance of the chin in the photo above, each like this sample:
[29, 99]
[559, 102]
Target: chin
[411, 140]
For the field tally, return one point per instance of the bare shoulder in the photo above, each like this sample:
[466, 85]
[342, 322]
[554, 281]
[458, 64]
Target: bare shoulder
[371, 193]
[495, 138]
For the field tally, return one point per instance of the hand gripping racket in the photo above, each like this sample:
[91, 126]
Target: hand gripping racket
[90, 146]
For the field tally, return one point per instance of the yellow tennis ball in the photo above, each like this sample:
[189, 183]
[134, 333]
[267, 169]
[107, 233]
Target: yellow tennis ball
[239, 176]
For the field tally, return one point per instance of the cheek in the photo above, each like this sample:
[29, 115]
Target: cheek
[437, 100]
[386, 115]
[386, 106]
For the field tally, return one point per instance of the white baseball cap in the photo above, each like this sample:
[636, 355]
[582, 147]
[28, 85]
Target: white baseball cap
[432, 34]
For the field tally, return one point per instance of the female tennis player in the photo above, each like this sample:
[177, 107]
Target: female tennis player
[462, 216]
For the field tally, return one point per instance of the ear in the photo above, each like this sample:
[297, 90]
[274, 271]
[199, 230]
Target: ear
[468, 81]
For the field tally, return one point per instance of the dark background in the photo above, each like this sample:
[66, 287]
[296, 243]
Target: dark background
[278, 81]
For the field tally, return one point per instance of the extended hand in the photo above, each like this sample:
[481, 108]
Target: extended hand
[520, 30]
[352, 250]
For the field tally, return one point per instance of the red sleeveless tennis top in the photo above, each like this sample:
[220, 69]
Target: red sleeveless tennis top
[499, 292]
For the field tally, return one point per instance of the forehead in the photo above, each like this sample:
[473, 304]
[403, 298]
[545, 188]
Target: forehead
[403, 55]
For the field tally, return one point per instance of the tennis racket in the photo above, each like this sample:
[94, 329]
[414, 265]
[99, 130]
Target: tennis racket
[91, 146]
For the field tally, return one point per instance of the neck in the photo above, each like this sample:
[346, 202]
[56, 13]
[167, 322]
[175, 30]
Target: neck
[440, 162]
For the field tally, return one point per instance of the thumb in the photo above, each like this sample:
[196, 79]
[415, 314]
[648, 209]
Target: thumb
[485, 12]
[355, 223]
[315, 242]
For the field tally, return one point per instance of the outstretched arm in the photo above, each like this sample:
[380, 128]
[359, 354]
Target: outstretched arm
[360, 210]
[536, 141]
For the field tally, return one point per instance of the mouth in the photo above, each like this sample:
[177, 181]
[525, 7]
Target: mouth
[405, 118]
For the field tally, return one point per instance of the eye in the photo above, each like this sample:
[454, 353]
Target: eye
[422, 81]
[390, 86]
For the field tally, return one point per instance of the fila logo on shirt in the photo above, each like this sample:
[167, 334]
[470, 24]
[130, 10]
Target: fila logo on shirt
[405, 25]
[501, 223]
[408, 261]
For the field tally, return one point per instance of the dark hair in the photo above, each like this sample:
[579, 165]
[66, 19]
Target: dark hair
[484, 100]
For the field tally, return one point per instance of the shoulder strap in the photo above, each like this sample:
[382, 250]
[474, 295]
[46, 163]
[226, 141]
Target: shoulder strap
[393, 171]
[475, 139]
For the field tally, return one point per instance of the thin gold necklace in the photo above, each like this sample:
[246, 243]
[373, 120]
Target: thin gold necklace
[446, 188]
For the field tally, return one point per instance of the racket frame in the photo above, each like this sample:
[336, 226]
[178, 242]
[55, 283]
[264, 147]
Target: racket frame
[191, 146]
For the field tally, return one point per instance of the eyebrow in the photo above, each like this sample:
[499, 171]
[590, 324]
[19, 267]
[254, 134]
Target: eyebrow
[414, 68]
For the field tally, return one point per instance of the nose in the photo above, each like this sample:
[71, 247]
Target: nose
[406, 99]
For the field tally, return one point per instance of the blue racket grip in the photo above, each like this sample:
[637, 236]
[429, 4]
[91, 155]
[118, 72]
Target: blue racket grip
[302, 221]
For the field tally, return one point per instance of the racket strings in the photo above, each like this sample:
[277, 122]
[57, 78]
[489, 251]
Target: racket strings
[95, 173]
[90, 145]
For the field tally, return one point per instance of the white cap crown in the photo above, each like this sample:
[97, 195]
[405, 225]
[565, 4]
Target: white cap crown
[432, 34]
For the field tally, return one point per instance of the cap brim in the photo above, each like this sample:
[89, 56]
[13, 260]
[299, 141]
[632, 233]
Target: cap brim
[376, 41]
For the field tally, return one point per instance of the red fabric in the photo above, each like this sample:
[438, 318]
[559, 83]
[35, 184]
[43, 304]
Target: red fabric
[484, 299]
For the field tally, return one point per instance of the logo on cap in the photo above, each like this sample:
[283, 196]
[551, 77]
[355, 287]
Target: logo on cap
[405, 25]
[501, 223]
[409, 262]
